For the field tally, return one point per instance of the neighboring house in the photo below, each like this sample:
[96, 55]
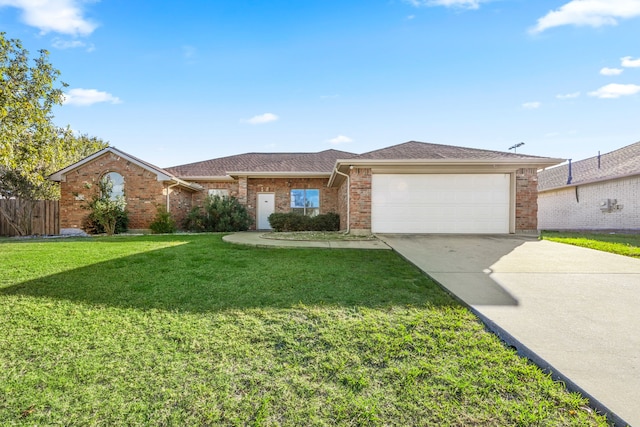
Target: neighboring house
[413, 187]
[598, 193]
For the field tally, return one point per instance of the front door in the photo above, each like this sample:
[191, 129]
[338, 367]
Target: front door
[266, 206]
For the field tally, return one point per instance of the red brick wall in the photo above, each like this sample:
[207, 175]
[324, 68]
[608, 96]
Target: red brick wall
[199, 196]
[143, 192]
[180, 202]
[360, 199]
[526, 200]
[282, 188]
[342, 205]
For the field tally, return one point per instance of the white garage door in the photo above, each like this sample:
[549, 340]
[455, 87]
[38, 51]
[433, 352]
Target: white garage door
[440, 203]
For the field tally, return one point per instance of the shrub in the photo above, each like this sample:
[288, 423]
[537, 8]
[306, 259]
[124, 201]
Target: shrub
[194, 221]
[163, 223]
[291, 221]
[92, 226]
[108, 215]
[225, 214]
[221, 214]
[326, 222]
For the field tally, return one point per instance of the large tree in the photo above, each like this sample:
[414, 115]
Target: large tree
[31, 146]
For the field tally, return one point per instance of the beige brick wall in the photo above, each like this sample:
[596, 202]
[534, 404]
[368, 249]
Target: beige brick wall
[526, 200]
[143, 192]
[563, 210]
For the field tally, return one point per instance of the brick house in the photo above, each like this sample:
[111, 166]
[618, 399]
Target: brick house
[413, 187]
[598, 193]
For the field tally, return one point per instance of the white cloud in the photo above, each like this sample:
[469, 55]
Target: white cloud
[606, 71]
[59, 43]
[340, 139]
[531, 105]
[629, 62]
[615, 90]
[85, 97]
[568, 96]
[593, 13]
[262, 118]
[59, 16]
[463, 4]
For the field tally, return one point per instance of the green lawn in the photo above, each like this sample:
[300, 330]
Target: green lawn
[189, 330]
[621, 244]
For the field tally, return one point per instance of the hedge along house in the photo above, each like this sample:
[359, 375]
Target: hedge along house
[598, 193]
[413, 187]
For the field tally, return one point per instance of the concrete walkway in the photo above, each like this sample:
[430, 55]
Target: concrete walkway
[254, 238]
[573, 311]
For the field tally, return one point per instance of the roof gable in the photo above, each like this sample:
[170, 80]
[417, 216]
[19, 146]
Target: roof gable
[616, 164]
[161, 174]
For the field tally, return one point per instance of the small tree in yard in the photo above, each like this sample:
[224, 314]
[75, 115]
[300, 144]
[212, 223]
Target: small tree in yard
[107, 213]
[31, 145]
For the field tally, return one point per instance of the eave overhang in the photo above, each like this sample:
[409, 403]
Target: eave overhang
[253, 174]
[188, 185]
[226, 178]
[591, 181]
[416, 166]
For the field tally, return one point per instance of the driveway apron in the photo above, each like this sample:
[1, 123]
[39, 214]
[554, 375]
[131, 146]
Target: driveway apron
[572, 310]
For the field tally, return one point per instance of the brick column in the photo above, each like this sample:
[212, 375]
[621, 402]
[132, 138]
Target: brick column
[242, 190]
[360, 200]
[526, 200]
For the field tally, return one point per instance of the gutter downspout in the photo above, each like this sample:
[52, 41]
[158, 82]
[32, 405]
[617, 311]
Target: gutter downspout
[348, 198]
[169, 188]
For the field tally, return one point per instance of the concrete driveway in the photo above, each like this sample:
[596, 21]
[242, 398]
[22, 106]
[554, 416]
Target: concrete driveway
[573, 311]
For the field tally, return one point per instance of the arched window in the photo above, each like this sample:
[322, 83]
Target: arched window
[117, 181]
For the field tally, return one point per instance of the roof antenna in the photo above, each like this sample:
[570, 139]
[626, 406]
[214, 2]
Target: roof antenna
[515, 146]
[570, 177]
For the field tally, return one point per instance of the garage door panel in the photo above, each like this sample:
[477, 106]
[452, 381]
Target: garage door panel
[440, 203]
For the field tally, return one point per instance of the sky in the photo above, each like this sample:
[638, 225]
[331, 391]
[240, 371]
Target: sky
[175, 82]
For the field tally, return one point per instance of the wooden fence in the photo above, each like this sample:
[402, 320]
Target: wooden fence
[44, 220]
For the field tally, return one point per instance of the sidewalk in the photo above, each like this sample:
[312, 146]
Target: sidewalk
[253, 238]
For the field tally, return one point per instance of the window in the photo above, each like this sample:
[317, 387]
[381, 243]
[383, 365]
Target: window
[305, 202]
[218, 192]
[117, 184]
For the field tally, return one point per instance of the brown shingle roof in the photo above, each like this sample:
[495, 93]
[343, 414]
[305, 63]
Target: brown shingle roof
[424, 150]
[321, 162]
[622, 162]
[324, 161]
